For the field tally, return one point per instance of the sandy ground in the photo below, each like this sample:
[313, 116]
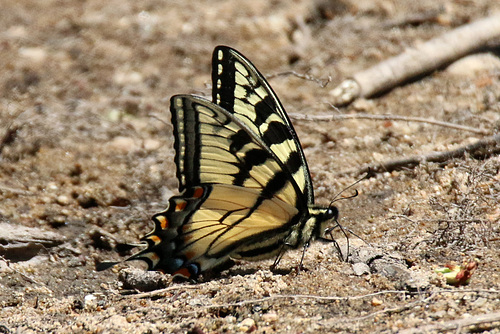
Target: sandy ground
[86, 158]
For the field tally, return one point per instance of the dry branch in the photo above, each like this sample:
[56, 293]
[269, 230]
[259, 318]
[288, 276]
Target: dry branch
[161, 292]
[327, 118]
[457, 324]
[481, 149]
[321, 82]
[421, 59]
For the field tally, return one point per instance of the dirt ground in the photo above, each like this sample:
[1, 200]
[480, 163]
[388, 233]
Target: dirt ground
[86, 159]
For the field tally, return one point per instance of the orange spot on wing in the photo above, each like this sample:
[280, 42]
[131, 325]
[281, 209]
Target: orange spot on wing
[189, 255]
[198, 192]
[153, 256]
[163, 221]
[182, 272]
[180, 206]
[156, 239]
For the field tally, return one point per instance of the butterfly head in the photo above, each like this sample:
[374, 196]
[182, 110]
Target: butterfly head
[320, 218]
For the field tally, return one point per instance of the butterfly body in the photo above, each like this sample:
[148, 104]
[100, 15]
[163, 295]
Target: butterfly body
[245, 188]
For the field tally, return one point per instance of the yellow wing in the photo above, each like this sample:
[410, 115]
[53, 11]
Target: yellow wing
[238, 87]
[206, 225]
[214, 147]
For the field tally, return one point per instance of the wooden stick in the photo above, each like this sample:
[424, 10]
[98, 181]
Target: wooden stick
[321, 82]
[482, 148]
[421, 59]
[341, 117]
[162, 292]
[455, 324]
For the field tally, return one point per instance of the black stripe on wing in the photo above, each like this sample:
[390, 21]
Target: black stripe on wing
[214, 147]
[186, 144]
[242, 90]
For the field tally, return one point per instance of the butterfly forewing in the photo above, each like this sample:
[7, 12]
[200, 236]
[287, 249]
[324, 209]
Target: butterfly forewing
[239, 88]
[214, 147]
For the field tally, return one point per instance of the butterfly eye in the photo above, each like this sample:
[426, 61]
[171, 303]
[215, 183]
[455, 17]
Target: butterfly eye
[332, 212]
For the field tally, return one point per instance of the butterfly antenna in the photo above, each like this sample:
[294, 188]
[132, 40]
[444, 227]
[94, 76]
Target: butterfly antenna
[106, 265]
[336, 197]
[120, 248]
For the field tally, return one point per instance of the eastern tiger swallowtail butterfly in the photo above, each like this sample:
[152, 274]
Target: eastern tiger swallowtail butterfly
[245, 188]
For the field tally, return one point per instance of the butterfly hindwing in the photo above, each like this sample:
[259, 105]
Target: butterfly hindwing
[238, 87]
[206, 225]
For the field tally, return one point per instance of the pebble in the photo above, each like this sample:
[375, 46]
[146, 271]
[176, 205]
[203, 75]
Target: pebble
[36, 55]
[246, 325]
[360, 268]
[127, 78]
[90, 302]
[151, 144]
[123, 145]
[481, 301]
[270, 317]
[363, 105]
[470, 66]
[63, 200]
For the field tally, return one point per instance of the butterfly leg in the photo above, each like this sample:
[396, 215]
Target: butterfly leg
[336, 244]
[282, 250]
[300, 267]
[278, 258]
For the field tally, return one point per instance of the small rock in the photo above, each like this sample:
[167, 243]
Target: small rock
[151, 144]
[470, 66]
[56, 220]
[363, 105]
[63, 200]
[270, 317]
[376, 302]
[230, 319]
[481, 301]
[247, 325]
[127, 78]
[360, 268]
[52, 187]
[123, 145]
[36, 55]
[17, 32]
[137, 279]
[437, 314]
[90, 302]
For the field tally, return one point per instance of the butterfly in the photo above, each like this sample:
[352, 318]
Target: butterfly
[245, 187]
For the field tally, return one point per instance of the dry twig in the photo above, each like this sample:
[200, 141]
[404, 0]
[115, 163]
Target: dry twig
[415, 19]
[423, 58]
[457, 324]
[334, 298]
[321, 82]
[481, 149]
[277, 297]
[162, 292]
[341, 117]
